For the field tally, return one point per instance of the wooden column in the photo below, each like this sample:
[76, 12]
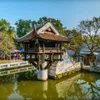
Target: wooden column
[27, 47]
[43, 47]
[33, 47]
[60, 46]
[60, 56]
[38, 61]
[30, 56]
[51, 57]
[39, 47]
[57, 47]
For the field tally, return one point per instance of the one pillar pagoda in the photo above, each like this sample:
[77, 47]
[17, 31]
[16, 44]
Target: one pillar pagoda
[42, 46]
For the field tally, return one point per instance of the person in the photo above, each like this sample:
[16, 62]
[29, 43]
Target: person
[14, 56]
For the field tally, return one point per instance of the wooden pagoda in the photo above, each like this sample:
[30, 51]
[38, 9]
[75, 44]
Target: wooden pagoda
[43, 44]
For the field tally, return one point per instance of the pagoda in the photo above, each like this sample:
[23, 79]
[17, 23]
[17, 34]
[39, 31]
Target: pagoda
[43, 46]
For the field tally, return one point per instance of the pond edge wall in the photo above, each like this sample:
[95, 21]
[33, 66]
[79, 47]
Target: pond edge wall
[63, 68]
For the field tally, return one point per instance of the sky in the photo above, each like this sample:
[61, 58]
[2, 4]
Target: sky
[69, 12]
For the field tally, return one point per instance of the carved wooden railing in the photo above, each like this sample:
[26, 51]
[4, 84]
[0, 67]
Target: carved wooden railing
[47, 49]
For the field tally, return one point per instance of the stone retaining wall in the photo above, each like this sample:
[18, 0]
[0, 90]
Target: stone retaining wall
[63, 68]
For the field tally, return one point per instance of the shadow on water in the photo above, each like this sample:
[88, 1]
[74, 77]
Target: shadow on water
[79, 86]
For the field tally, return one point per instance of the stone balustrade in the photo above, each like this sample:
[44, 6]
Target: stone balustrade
[94, 69]
[13, 65]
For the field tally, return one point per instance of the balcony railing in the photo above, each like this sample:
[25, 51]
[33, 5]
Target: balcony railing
[47, 49]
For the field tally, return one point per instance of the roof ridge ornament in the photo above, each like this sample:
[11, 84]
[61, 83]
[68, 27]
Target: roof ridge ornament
[34, 27]
[43, 22]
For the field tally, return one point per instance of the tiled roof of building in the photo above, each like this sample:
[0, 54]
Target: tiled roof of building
[43, 35]
[50, 36]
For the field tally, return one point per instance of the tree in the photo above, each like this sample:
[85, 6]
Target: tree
[85, 82]
[6, 28]
[90, 30]
[6, 36]
[76, 40]
[6, 44]
[23, 26]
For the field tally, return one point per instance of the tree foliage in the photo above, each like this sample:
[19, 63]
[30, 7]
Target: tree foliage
[6, 28]
[76, 40]
[23, 26]
[6, 43]
[6, 36]
[90, 30]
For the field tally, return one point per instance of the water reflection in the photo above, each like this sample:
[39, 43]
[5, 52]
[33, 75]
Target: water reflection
[5, 90]
[15, 95]
[80, 86]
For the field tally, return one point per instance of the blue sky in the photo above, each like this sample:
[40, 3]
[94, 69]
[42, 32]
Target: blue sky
[70, 12]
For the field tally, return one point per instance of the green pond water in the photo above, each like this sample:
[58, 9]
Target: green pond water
[80, 86]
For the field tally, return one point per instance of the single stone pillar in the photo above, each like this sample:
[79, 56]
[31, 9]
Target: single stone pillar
[42, 74]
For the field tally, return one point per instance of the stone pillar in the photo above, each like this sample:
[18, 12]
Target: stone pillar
[42, 74]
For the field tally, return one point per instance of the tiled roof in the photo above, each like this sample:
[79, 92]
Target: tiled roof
[27, 37]
[43, 35]
[51, 36]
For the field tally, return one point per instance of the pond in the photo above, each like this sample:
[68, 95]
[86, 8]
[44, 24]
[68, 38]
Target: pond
[80, 86]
